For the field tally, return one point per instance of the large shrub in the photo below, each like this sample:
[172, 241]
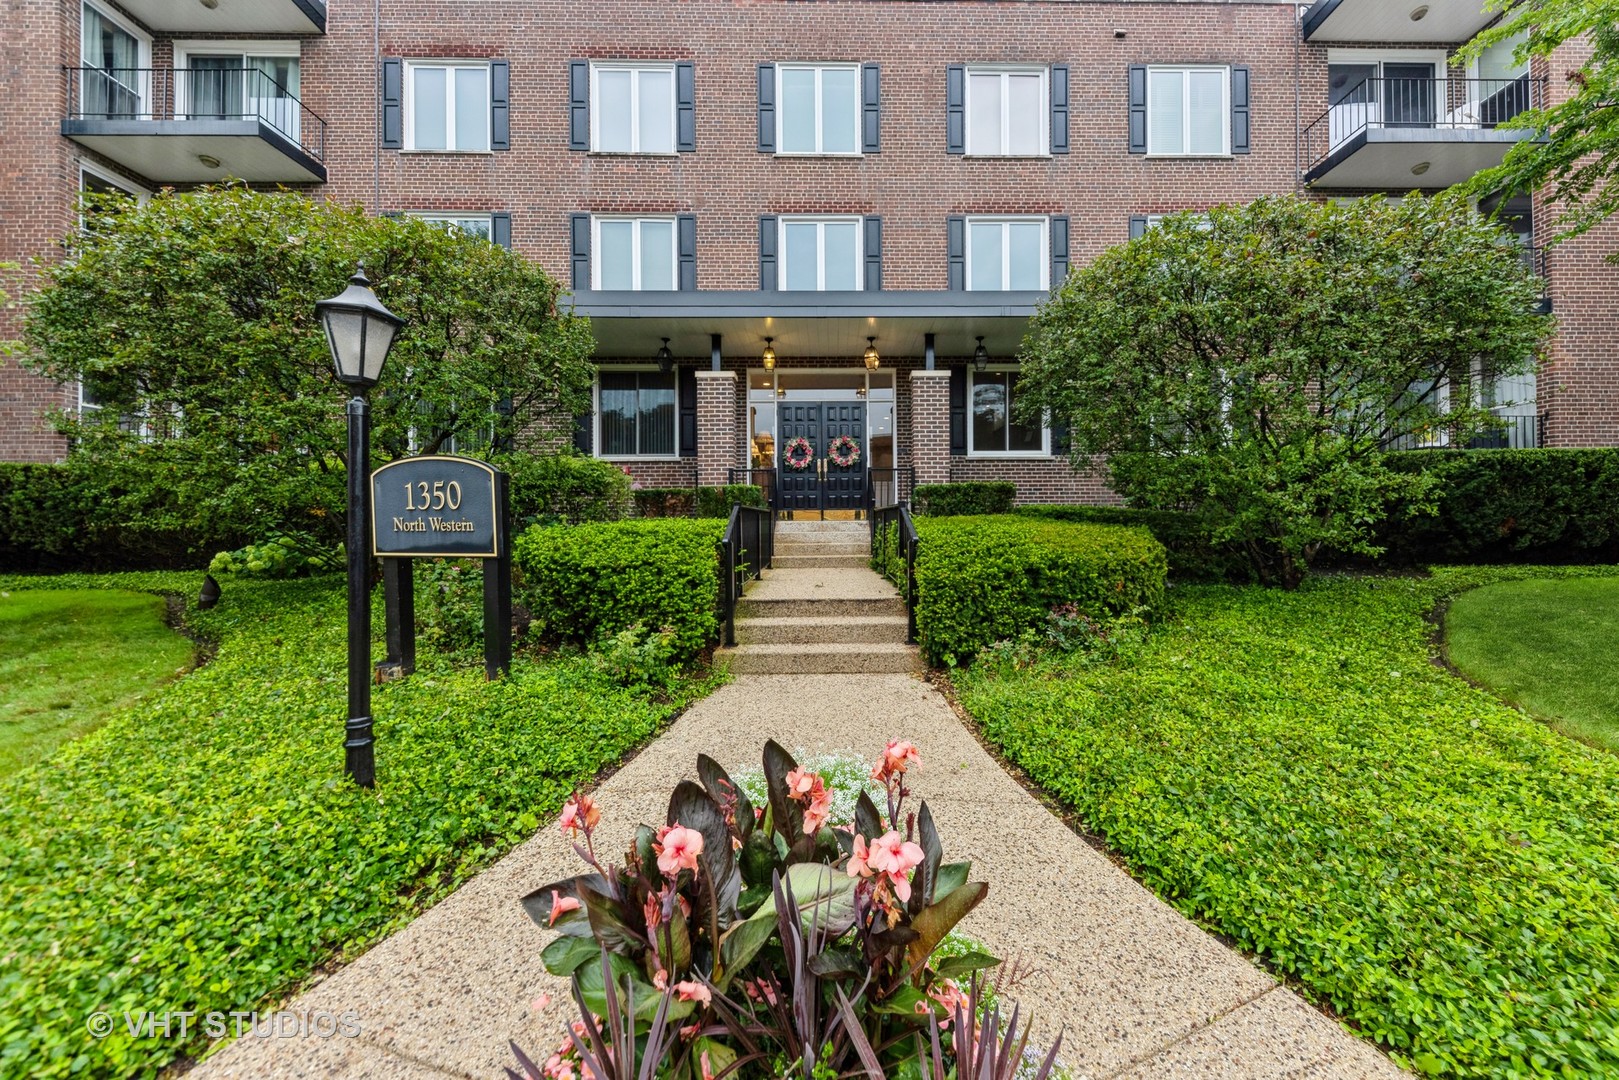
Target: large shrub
[983, 579]
[1194, 554]
[569, 487]
[965, 497]
[582, 583]
[703, 502]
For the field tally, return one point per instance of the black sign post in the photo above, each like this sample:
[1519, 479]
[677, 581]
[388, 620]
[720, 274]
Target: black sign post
[437, 506]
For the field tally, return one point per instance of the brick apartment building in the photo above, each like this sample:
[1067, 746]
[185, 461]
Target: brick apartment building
[791, 219]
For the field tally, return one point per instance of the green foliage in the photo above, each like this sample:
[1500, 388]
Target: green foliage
[637, 657]
[44, 512]
[582, 583]
[1292, 770]
[1193, 553]
[985, 579]
[1251, 362]
[1071, 631]
[570, 488]
[203, 851]
[716, 502]
[703, 502]
[449, 603]
[1505, 505]
[191, 316]
[965, 497]
[282, 555]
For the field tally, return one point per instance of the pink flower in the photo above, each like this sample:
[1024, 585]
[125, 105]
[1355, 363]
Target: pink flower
[693, 991]
[560, 906]
[858, 861]
[820, 808]
[652, 911]
[579, 812]
[540, 1003]
[801, 782]
[894, 857]
[898, 756]
[679, 849]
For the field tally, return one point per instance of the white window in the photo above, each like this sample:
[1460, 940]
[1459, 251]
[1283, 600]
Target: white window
[478, 225]
[635, 414]
[819, 254]
[632, 108]
[633, 253]
[1189, 111]
[817, 109]
[116, 60]
[223, 80]
[1006, 112]
[992, 429]
[1007, 253]
[448, 107]
[94, 180]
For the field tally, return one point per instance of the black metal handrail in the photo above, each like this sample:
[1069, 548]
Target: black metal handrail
[763, 479]
[893, 525]
[194, 94]
[1450, 104]
[746, 550]
[890, 485]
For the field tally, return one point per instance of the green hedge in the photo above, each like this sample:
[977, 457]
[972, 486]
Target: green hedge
[703, 502]
[982, 579]
[585, 582]
[570, 488]
[964, 497]
[1193, 556]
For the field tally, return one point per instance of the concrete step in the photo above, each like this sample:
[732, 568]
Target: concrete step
[821, 547]
[795, 607]
[822, 630]
[866, 659]
[795, 561]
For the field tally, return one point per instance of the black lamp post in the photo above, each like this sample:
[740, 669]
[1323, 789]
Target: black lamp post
[359, 331]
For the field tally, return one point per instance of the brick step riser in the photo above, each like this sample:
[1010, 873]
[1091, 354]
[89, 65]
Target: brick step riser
[802, 562]
[824, 663]
[815, 634]
[778, 609]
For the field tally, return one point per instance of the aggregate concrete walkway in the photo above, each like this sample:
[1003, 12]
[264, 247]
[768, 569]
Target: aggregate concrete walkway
[1141, 992]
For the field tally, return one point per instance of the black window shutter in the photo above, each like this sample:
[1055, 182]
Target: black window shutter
[1240, 130]
[686, 249]
[1138, 108]
[500, 105]
[767, 108]
[1059, 251]
[874, 253]
[767, 252]
[685, 107]
[393, 104]
[394, 214]
[871, 109]
[958, 410]
[955, 109]
[956, 240]
[582, 430]
[579, 105]
[687, 391]
[579, 249]
[1138, 226]
[1059, 108]
[500, 229]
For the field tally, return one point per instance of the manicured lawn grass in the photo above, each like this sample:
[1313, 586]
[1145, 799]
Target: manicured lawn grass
[1294, 771]
[203, 851]
[1546, 646]
[69, 659]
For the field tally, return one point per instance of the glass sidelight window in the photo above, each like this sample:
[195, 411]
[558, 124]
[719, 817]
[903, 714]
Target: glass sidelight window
[637, 414]
[992, 430]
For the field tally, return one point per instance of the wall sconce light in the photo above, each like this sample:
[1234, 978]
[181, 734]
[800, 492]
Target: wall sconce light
[980, 355]
[871, 358]
[665, 358]
[768, 357]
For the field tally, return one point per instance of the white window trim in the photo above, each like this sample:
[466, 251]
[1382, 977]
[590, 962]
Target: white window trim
[1006, 107]
[635, 249]
[596, 414]
[87, 168]
[820, 248]
[1027, 455]
[451, 217]
[143, 50]
[781, 111]
[449, 104]
[635, 68]
[1186, 110]
[1006, 248]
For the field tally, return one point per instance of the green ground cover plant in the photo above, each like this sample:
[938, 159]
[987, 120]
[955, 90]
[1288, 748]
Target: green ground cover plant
[1563, 672]
[1294, 771]
[69, 659]
[202, 851]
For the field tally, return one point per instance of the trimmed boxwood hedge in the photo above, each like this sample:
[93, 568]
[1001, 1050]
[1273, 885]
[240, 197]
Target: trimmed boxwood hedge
[1193, 556]
[985, 578]
[965, 497]
[703, 502]
[582, 583]
[548, 488]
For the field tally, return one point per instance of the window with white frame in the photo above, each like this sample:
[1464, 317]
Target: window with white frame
[993, 397]
[479, 225]
[635, 414]
[221, 80]
[1006, 112]
[1008, 253]
[632, 108]
[1189, 111]
[447, 106]
[818, 108]
[633, 253]
[820, 254]
[115, 59]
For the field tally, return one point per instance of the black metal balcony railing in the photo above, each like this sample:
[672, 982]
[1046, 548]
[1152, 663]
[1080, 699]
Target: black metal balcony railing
[1517, 432]
[159, 94]
[1436, 104]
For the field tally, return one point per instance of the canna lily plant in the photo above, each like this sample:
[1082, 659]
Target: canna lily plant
[745, 941]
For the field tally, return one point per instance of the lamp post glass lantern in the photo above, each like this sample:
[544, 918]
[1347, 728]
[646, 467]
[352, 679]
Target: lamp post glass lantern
[359, 331]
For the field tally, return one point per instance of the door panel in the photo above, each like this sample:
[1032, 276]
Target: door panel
[799, 490]
[844, 488]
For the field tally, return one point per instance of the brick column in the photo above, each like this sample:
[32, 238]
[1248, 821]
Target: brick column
[716, 426]
[930, 425]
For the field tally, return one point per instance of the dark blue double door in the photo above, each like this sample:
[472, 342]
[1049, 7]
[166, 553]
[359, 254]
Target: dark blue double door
[824, 485]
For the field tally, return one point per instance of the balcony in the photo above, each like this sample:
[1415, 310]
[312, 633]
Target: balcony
[184, 126]
[1397, 134]
[230, 16]
[1404, 22]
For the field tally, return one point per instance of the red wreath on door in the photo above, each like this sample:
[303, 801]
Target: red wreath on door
[798, 454]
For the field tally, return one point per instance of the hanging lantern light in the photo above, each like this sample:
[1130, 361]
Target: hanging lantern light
[980, 355]
[665, 358]
[768, 357]
[871, 358]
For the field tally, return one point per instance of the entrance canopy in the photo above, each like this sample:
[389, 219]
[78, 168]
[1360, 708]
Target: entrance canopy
[807, 324]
